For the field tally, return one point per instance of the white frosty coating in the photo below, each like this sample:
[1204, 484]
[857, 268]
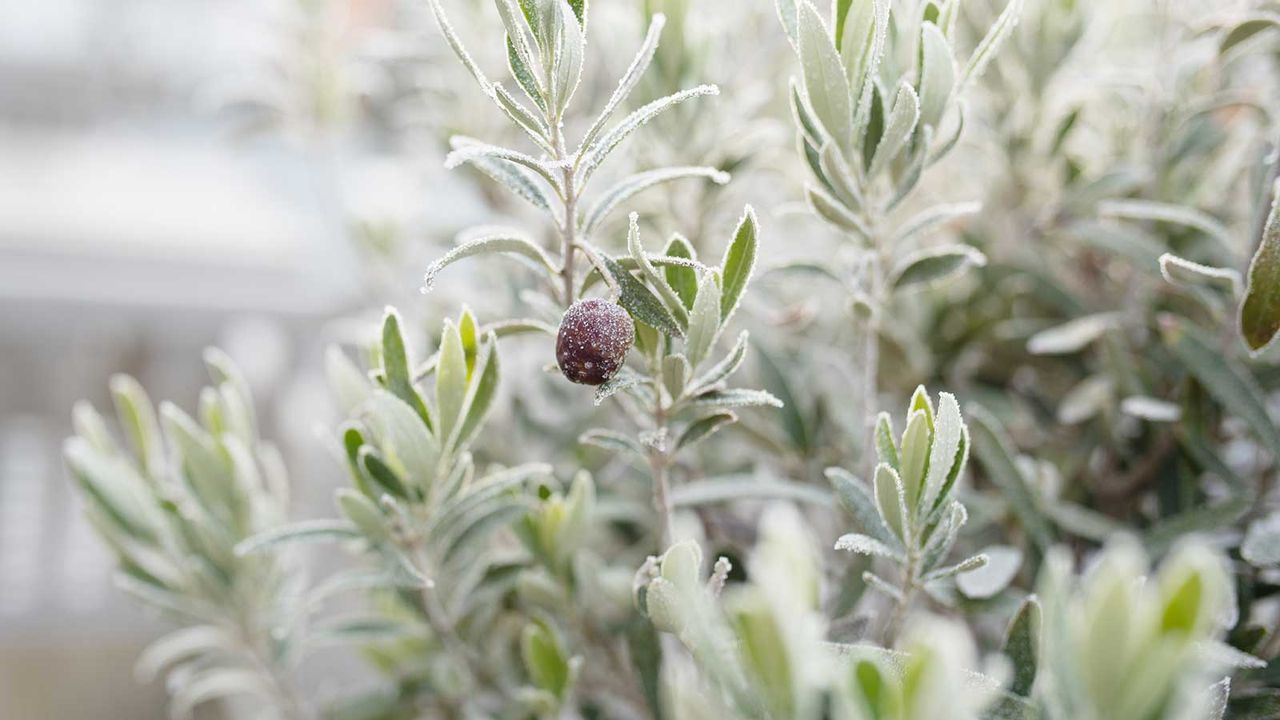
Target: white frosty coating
[593, 341]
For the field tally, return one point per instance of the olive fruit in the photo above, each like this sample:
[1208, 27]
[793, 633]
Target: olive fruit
[593, 341]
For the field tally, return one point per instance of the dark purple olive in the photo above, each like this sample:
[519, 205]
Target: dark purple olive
[593, 341]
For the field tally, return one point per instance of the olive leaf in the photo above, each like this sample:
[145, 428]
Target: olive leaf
[1260, 311]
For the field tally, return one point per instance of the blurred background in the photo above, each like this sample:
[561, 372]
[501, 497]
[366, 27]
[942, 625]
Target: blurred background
[173, 174]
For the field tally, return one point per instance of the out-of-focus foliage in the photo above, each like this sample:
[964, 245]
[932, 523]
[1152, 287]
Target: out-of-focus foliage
[1061, 212]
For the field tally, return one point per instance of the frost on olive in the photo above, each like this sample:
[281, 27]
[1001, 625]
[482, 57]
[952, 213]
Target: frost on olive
[593, 341]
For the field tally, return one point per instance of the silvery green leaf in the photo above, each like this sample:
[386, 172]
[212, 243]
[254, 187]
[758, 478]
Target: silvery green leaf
[1152, 409]
[736, 397]
[364, 515]
[927, 220]
[941, 149]
[628, 187]
[521, 116]
[704, 321]
[910, 177]
[675, 374]
[204, 686]
[596, 153]
[567, 55]
[520, 45]
[1180, 271]
[891, 502]
[629, 79]
[362, 631]
[405, 442]
[180, 646]
[1003, 563]
[1022, 646]
[967, 565]
[1224, 378]
[857, 499]
[626, 378]
[1073, 335]
[789, 16]
[870, 63]
[824, 78]
[935, 264]
[916, 442]
[467, 150]
[1247, 29]
[544, 659]
[948, 454]
[937, 74]
[378, 474]
[840, 177]
[886, 446]
[1260, 311]
[991, 42]
[811, 132]
[720, 371]
[206, 470]
[526, 77]
[1169, 213]
[865, 545]
[854, 34]
[307, 531]
[899, 126]
[704, 427]
[884, 586]
[654, 279]
[612, 441]
[640, 301]
[464, 509]
[90, 426]
[349, 386]
[166, 600]
[944, 536]
[451, 380]
[1261, 546]
[1223, 655]
[137, 418]
[994, 450]
[684, 280]
[455, 44]
[481, 389]
[395, 365]
[830, 209]
[515, 178]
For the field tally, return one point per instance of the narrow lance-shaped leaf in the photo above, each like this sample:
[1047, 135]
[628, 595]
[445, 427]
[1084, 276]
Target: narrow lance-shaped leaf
[935, 265]
[684, 280]
[630, 186]
[640, 301]
[395, 365]
[937, 74]
[629, 79]
[510, 244]
[1228, 382]
[703, 428]
[655, 279]
[899, 126]
[1022, 646]
[991, 42]
[704, 321]
[824, 77]
[597, 152]
[1260, 311]
[739, 262]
